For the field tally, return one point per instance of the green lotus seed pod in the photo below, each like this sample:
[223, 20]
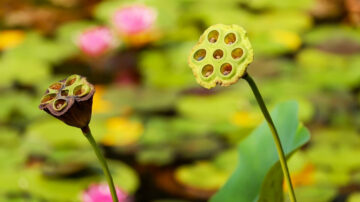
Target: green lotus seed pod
[221, 55]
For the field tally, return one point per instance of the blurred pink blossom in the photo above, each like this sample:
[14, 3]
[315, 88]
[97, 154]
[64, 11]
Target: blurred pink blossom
[134, 19]
[95, 41]
[101, 193]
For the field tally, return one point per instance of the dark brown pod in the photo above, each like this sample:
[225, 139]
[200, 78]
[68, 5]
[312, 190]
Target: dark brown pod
[71, 103]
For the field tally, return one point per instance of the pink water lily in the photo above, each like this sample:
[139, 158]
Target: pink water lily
[101, 193]
[95, 41]
[134, 19]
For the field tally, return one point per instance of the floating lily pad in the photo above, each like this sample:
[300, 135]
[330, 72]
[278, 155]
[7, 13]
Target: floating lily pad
[12, 69]
[19, 178]
[193, 148]
[326, 147]
[9, 138]
[30, 53]
[280, 4]
[315, 193]
[54, 133]
[152, 99]
[327, 34]
[214, 108]
[21, 104]
[315, 62]
[161, 155]
[354, 197]
[167, 69]
[202, 175]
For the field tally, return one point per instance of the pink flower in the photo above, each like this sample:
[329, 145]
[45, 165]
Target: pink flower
[95, 41]
[134, 19]
[101, 193]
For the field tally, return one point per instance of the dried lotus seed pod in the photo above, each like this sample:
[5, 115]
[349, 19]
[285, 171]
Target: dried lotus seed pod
[221, 55]
[69, 100]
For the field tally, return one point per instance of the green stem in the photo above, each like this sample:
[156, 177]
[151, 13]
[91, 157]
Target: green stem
[275, 135]
[87, 133]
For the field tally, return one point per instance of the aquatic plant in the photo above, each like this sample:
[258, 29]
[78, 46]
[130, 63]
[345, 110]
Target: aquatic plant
[70, 100]
[221, 57]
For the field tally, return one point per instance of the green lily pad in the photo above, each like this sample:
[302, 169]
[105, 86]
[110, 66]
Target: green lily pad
[66, 162]
[19, 198]
[124, 176]
[335, 144]
[156, 132]
[167, 69]
[202, 175]
[208, 175]
[280, 4]
[23, 105]
[227, 160]
[27, 62]
[14, 69]
[16, 178]
[152, 99]
[70, 189]
[213, 108]
[11, 165]
[197, 147]
[156, 156]
[164, 139]
[315, 193]
[55, 134]
[187, 126]
[315, 62]
[354, 197]
[258, 157]
[324, 34]
[35, 45]
[9, 138]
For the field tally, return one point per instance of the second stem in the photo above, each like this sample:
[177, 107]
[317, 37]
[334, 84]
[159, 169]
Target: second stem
[274, 133]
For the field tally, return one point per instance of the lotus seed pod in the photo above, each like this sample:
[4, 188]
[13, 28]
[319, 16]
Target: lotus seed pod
[69, 100]
[221, 55]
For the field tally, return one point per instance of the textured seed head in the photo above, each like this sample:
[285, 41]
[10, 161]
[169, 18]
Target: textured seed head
[69, 100]
[221, 55]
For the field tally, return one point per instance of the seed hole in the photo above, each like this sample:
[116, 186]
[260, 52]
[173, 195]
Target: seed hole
[237, 53]
[226, 69]
[56, 86]
[80, 90]
[207, 70]
[218, 54]
[230, 38]
[213, 36]
[64, 92]
[200, 54]
[48, 98]
[60, 104]
[71, 80]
